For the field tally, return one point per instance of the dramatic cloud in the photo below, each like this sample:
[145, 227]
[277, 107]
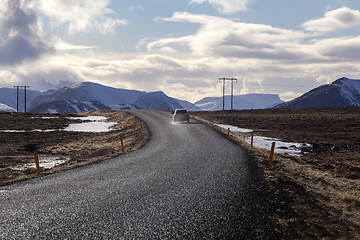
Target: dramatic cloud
[334, 20]
[226, 6]
[263, 58]
[225, 38]
[80, 15]
[20, 35]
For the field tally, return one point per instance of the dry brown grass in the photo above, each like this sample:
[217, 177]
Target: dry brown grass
[317, 196]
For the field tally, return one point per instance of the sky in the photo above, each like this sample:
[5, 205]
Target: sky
[180, 47]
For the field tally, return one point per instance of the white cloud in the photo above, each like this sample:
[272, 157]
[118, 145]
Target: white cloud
[226, 6]
[80, 15]
[337, 19]
[226, 38]
[21, 37]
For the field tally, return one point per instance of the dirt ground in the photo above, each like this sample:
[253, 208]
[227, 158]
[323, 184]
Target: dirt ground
[317, 195]
[74, 148]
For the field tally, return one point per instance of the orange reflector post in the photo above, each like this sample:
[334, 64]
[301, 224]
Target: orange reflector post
[272, 153]
[36, 156]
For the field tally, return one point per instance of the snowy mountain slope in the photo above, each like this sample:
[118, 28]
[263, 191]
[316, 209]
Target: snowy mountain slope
[247, 101]
[343, 92]
[187, 105]
[8, 97]
[6, 108]
[157, 100]
[69, 106]
[88, 91]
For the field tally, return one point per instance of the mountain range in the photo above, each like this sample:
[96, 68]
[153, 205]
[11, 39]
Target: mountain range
[85, 96]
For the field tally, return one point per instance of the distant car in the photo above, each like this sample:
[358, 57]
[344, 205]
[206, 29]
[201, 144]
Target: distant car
[181, 115]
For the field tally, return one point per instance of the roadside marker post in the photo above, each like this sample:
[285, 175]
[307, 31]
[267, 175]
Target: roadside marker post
[147, 107]
[122, 145]
[133, 117]
[252, 139]
[141, 135]
[36, 156]
[272, 153]
[120, 109]
[228, 132]
[209, 123]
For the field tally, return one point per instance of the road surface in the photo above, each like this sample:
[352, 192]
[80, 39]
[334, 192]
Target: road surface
[187, 182]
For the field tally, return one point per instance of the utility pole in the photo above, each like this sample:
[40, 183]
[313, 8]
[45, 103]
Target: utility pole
[232, 90]
[17, 97]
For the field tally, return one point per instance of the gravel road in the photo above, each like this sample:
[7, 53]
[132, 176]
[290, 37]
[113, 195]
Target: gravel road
[188, 182]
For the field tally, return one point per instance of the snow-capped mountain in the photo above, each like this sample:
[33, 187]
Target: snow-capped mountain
[247, 101]
[88, 91]
[343, 92]
[6, 108]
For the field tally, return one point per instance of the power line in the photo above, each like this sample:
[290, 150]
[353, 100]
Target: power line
[274, 85]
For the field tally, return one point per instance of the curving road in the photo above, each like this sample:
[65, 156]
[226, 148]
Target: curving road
[188, 182]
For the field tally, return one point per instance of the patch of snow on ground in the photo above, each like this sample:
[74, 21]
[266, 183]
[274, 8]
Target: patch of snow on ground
[265, 142]
[44, 117]
[12, 131]
[234, 129]
[44, 162]
[280, 146]
[95, 124]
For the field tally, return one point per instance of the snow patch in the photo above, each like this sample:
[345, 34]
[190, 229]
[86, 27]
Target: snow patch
[266, 142]
[44, 162]
[234, 129]
[94, 124]
[280, 146]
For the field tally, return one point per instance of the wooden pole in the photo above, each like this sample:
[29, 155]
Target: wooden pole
[271, 153]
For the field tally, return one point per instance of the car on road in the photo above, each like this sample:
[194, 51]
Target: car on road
[181, 115]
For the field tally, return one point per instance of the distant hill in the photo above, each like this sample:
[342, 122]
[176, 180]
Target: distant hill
[343, 92]
[240, 102]
[69, 106]
[156, 100]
